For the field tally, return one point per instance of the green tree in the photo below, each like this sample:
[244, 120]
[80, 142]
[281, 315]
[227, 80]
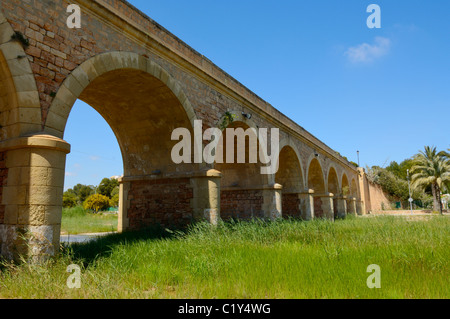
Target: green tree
[69, 199]
[114, 201]
[431, 168]
[107, 186]
[96, 202]
[82, 192]
[400, 170]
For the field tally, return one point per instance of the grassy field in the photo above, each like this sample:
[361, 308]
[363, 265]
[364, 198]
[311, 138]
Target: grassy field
[77, 221]
[285, 259]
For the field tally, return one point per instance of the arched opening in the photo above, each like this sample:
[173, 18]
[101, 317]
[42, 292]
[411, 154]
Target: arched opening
[345, 185]
[8, 105]
[290, 176]
[242, 184]
[316, 183]
[333, 187]
[95, 155]
[7, 110]
[354, 189]
[143, 112]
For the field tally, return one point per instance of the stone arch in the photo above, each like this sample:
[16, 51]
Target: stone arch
[315, 177]
[88, 71]
[290, 176]
[333, 188]
[143, 105]
[242, 185]
[316, 182]
[91, 81]
[345, 185]
[353, 189]
[245, 123]
[333, 184]
[287, 143]
[19, 97]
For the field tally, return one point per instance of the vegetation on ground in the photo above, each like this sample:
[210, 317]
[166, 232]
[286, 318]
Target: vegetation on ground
[283, 259]
[77, 220]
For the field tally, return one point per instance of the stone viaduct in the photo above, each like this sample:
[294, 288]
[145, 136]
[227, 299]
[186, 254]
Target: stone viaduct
[145, 82]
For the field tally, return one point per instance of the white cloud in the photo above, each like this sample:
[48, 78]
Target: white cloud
[365, 52]
[94, 158]
[70, 174]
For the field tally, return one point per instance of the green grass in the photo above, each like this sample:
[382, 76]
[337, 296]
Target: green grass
[76, 220]
[285, 259]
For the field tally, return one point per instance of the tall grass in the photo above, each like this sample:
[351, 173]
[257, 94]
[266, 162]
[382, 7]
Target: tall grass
[285, 259]
[77, 220]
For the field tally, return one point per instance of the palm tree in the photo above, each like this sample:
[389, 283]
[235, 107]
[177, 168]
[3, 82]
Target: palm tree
[431, 168]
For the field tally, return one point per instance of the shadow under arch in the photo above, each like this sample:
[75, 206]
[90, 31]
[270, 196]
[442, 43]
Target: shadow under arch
[345, 185]
[290, 176]
[316, 182]
[334, 188]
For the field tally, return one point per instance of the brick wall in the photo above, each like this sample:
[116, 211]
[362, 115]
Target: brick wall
[318, 212]
[164, 201]
[241, 204]
[290, 205]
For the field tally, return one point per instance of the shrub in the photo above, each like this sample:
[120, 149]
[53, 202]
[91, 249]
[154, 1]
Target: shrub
[96, 202]
[69, 200]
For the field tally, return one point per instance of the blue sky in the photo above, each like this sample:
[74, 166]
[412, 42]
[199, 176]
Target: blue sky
[384, 92]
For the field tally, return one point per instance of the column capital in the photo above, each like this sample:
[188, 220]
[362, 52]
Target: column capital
[35, 141]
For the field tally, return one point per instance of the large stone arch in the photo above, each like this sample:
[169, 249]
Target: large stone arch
[143, 105]
[345, 185]
[334, 187]
[333, 184]
[315, 176]
[93, 68]
[354, 189]
[19, 98]
[245, 192]
[323, 201]
[290, 177]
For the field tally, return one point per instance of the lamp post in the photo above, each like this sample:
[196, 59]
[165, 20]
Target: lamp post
[358, 158]
[409, 187]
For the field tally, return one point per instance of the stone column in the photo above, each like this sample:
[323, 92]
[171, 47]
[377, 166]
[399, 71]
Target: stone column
[272, 202]
[360, 207]
[124, 204]
[32, 196]
[307, 204]
[327, 205]
[206, 201]
[341, 206]
[351, 206]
